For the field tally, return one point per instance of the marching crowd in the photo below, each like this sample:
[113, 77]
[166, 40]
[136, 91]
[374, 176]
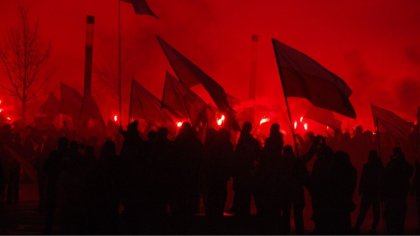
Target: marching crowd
[86, 190]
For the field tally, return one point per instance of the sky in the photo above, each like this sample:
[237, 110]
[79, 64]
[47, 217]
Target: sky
[372, 45]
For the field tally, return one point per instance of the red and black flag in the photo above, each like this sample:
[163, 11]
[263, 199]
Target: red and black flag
[192, 75]
[146, 106]
[91, 116]
[141, 7]
[51, 107]
[323, 116]
[71, 101]
[303, 77]
[181, 100]
[391, 123]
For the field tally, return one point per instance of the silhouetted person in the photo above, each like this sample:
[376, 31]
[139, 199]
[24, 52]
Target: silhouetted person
[416, 192]
[370, 190]
[321, 186]
[48, 146]
[269, 193]
[343, 184]
[296, 178]
[102, 192]
[188, 151]
[218, 168]
[245, 158]
[53, 168]
[162, 173]
[71, 192]
[14, 181]
[395, 191]
[133, 144]
[132, 176]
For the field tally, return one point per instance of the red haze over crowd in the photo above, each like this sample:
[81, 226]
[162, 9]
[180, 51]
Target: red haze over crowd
[373, 45]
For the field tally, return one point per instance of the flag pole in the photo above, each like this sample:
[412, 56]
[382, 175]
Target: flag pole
[378, 142]
[119, 62]
[287, 102]
[130, 103]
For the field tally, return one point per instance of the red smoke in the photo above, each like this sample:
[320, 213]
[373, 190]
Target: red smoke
[373, 45]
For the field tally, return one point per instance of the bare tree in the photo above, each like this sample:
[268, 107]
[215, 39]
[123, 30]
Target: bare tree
[23, 57]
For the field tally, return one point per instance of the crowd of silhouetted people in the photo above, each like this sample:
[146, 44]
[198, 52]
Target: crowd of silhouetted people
[162, 185]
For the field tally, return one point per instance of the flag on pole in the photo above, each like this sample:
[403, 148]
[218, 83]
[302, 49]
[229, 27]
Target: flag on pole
[305, 78]
[389, 122]
[71, 101]
[192, 75]
[181, 100]
[51, 107]
[146, 106]
[90, 112]
[323, 116]
[141, 7]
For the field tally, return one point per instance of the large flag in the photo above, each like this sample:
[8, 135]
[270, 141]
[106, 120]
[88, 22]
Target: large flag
[192, 75]
[389, 122]
[141, 7]
[51, 107]
[146, 106]
[305, 78]
[71, 101]
[323, 116]
[181, 100]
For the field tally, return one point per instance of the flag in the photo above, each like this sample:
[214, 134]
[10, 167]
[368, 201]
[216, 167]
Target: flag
[71, 101]
[305, 78]
[90, 115]
[181, 100]
[192, 75]
[141, 7]
[51, 107]
[389, 122]
[145, 105]
[323, 116]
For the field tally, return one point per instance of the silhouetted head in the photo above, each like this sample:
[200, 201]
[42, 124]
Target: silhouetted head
[186, 129]
[358, 130]
[90, 152]
[163, 133]
[186, 125]
[74, 146]
[132, 127]
[275, 130]
[288, 151]
[309, 135]
[152, 135]
[224, 135]
[397, 153]
[62, 143]
[346, 136]
[108, 149]
[246, 128]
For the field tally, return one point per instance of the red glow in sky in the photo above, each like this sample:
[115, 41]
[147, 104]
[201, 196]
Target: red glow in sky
[373, 45]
